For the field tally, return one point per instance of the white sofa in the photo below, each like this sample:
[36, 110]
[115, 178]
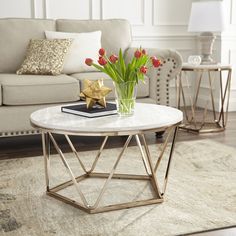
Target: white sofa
[20, 95]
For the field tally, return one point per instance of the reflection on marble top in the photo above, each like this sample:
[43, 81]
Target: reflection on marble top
[146, 116]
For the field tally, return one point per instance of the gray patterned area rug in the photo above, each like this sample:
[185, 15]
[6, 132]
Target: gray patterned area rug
[201, 194]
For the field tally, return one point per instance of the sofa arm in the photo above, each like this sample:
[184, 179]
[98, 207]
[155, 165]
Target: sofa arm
[171, 63]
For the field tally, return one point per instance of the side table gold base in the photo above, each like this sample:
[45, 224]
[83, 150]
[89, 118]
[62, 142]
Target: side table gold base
[150, 168]
[197, 120]
[198, 127]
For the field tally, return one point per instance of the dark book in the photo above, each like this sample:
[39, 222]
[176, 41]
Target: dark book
[96, 111]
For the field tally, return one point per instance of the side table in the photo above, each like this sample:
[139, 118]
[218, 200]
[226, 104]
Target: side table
[204, 117]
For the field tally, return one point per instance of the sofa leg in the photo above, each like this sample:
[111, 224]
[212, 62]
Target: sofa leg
[160, 134]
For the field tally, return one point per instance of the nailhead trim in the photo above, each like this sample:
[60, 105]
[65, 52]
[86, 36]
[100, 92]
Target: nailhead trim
[19, 133]
[167, 91]
[167, 80]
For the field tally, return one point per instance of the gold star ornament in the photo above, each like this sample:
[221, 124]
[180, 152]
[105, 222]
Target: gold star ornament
[94, 92]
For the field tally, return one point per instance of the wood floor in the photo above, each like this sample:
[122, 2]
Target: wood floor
[28, 146]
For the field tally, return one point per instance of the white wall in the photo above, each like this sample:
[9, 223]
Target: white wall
[228, 47]
[155, 23]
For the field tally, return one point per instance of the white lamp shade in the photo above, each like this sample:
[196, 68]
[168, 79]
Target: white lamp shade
[207, 16]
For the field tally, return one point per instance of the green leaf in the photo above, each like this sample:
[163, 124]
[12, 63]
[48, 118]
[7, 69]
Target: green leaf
[99, 68]
[122, 64]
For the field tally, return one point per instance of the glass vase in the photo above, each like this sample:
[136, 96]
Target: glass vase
[125, 97]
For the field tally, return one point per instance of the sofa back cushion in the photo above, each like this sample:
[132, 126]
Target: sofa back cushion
[83, 44]
[14, 38]
[116, 33]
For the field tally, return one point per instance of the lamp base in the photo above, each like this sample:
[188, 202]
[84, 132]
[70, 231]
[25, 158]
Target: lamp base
[207, 39]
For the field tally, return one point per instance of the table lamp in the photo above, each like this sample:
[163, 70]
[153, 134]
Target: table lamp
[207, 17]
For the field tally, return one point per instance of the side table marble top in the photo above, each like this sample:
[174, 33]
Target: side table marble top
[217, 66]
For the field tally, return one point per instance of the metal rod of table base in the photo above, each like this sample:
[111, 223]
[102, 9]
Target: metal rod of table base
[163, 149]
[112, 172]
[76, 153]
[142, 154]
[169, 160]
[69, 170]
[153, 174]
[46, 154]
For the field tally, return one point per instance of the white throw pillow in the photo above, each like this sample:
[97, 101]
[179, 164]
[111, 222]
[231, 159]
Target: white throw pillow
[85, 45]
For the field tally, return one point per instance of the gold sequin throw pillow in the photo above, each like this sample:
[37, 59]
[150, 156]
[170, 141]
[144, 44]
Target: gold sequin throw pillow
[45, 57]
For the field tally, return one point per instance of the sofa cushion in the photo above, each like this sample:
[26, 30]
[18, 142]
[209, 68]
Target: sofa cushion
[38, 89]
[15, 36]
[116, 33]
[45, 56]
[84, 45]
[143, 88]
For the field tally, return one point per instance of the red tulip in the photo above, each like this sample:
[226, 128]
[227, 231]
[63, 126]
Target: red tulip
[102, 51]
[155, 62]
[88, 61]
[113, 58]
[144, 52]
[138, 54]
[153, 57]
[102, 61]
[143, 69]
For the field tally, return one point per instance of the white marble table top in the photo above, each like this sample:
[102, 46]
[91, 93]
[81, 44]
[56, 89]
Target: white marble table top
[206, 67]
[146, 117]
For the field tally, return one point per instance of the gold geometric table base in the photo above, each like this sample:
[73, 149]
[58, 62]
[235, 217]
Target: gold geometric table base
[53, 192]
[151, 170]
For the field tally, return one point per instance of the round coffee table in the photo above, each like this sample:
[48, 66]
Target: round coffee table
[146, 118]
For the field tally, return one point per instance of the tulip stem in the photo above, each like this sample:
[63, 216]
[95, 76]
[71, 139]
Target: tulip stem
[125, 97]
